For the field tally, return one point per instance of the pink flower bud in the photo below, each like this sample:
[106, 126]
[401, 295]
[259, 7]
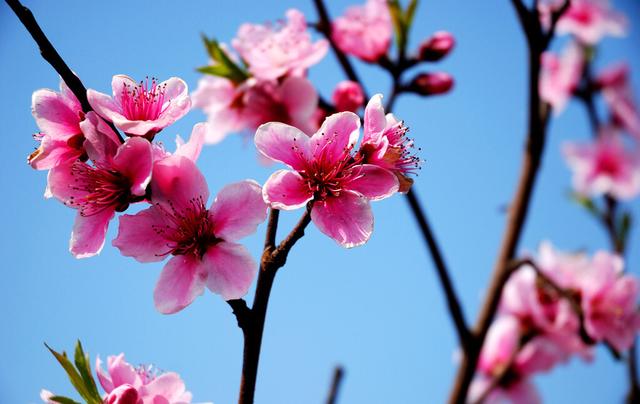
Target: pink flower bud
[123, 394]
[348, 96]
[437, 46]
[431, 83]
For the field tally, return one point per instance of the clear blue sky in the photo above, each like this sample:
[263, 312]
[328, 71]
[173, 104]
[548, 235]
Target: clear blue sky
[378, 309]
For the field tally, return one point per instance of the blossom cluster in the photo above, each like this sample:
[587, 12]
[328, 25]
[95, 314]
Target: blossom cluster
[551, 312]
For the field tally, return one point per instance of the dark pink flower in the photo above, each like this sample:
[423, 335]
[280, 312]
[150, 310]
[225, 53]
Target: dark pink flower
[432, 83]
[386, 145]
[364, 30]
[616, 89]
[119, 175]
[274, 51]
[142, 108]
[347, 96]
[58, 115]
[325, 171]
[604, 166]
[588, 20]
[437, 46]
[200, 239]
[518, 391]
[122, 382]
[234, 107]
[560, 76]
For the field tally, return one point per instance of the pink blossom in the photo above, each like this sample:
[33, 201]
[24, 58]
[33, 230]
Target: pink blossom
[610, 301]
[437, 46]
[604, 167]
[500, 346]
[617, 92]
[432, 83]
[347, 96]
[119, 175]
[58, 115]
[560, 76]
[386, 145]
[364, 30]
[274, 51]
[518, 391]
[234, 107]
[325, 171]
[122, 382]
[201, 240]
[588, 20]
[143, 108]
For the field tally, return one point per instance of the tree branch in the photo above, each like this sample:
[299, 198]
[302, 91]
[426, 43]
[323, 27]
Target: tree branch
[51, 55]
[338, 374]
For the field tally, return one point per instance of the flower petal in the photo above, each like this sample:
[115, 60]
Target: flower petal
[87, 237]
[286, 190]
[374, 119]
[238, 210]
[283, 143]
[101, 142]
[193, 147]
[338, 133]
[181, 281]
[142, 236]
[347, 219]
[300, 98]
[60, 184]
[373, 182]
[169, 386]
[231, 270]
[176, 181]
[53, 115]
[135, 161]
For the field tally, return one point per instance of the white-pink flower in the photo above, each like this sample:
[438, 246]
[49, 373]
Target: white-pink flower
[364, 30]
[616, 89]
[560, 76]
[201, 240]
[518, 391]
[142, 108]
[609, 300]
[233, 108]
[588, 20]
[325, 171]
[123, 383]
[118, 176]
[274, 51]
[385, 143]
[604, 166]
[58, 115]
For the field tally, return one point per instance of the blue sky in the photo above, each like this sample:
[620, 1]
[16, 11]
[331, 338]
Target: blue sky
[377, 309]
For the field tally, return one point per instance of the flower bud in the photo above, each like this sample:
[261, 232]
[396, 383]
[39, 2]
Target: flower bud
[436, 47]
[348, 96]
[123, 394]
[431, 83]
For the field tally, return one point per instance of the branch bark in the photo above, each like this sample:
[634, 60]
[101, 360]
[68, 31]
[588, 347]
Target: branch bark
[338, 374]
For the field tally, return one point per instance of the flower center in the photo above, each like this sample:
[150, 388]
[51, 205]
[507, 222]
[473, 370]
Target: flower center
[144, 101]
[104, 189]
[188, 230]
[608, 163]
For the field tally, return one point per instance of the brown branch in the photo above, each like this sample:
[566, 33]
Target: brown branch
[51, 55]
[338, 374]
[324, 26]
[252, 321]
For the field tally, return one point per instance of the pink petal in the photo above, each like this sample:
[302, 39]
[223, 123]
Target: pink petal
[121, 372]
[101, 142]
[105, 106]
[53, 115]
[286, 190]
[193, 147]
[60, 182]
[168, 386]
[53, 152]
[300, 98]
[283, 143]
[135, 161]
[347, 219]
[87, 237]
[338, 133]
[231, 270]
[176, 181]
[238, 210]
[142, 236]
[373, 182]
[374, 119]
[181, 281]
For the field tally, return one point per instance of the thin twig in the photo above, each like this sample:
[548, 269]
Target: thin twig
[338, 374]
[51, 55]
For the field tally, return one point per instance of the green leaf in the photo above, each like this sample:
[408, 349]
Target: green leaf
[74, 377]
[84, 368]
[586, 203]
[63, 400]
[224, 66]
[623, 229]
[397, 18]
[409, 14]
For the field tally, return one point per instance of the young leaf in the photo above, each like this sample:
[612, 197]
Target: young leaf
[74, 377]
[586, 203]
[623, 229]
[63, 400]
[223, 65]
[82, 364]
[397, 18]
[409, 14]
